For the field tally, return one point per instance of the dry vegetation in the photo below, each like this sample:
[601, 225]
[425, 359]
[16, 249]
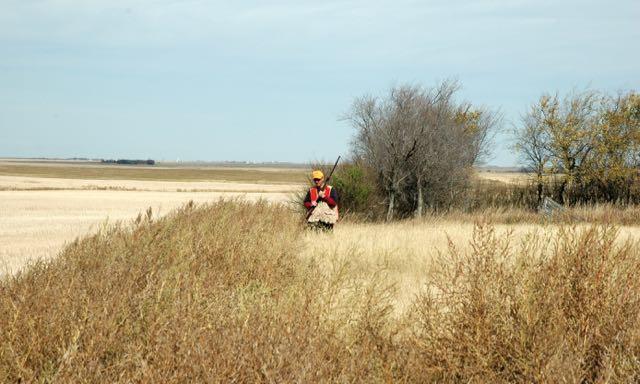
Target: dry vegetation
[28, 183]
[118, 172]
[213, 293]
[38, 215]
[520, 178]
[239, 291]
[37, 223]
[609, 214]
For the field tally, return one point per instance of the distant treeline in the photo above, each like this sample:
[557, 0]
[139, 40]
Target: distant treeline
[129, 162]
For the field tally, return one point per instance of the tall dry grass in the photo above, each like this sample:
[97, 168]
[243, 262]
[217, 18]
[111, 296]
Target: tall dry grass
[221, 292]
[561, 308]
[213, 293]
[605, 214]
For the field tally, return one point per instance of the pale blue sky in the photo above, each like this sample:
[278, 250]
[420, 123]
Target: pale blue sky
[268, 80]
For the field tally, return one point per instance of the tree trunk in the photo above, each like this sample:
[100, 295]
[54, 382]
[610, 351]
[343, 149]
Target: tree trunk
[392, 201]
[539, 192]
[420, 208]
[561, 191]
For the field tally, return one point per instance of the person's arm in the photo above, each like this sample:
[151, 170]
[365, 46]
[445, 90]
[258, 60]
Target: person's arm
[307, 201]
[332, 199]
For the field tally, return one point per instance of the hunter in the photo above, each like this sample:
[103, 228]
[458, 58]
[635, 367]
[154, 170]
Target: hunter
[321, 202]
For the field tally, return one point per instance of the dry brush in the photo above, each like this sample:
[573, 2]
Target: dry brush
[220, 293]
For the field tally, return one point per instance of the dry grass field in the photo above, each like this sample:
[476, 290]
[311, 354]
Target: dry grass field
[239, 291]
[97, 171]
[46, 205]
[36, 224]
[253, 297]
[28, 183]
[506, 177]
[404, 252]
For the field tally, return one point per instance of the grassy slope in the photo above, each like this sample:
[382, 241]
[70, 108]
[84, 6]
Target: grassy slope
[216, 294]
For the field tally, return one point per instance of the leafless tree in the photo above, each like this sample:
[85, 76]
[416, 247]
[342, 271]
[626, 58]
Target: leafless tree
[430, 164]
[452, 137]
[385, 137]
[534, 144]
[421, 141]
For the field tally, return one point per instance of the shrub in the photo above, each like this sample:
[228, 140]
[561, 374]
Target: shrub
[356, 190]
[184, 298]
[218, 293]
[214, 293]
[558, 309]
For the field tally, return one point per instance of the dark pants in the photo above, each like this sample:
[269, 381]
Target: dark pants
[320, 226]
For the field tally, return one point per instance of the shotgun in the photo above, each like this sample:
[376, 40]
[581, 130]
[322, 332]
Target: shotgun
[326, 181]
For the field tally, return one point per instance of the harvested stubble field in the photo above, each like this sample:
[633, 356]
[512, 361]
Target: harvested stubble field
[506, 177]
[262, 175]
[237, 291]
